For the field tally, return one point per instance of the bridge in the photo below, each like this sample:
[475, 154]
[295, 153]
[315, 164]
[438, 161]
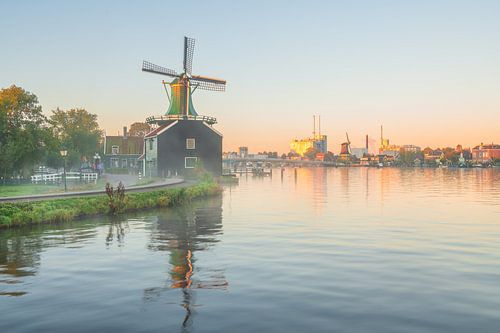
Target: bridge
[229, 163]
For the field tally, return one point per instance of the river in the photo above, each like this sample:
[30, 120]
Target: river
[319, 250]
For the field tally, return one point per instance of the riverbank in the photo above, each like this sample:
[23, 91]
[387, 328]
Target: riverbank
[61, 210]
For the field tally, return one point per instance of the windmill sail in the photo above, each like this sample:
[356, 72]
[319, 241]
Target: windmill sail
[207, 83]
[188, 55]
[152, 68]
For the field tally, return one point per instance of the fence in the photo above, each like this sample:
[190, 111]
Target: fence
[58, 177]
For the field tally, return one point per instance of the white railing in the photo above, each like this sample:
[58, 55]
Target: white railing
[153, 119]
[57, 177]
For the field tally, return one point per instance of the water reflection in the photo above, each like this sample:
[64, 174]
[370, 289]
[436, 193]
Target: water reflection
[21, 248]
[183, 232]
[116, 232]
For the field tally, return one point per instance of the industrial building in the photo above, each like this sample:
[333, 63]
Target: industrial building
[318, 141]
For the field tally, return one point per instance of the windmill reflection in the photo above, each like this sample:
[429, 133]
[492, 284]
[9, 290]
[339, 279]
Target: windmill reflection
[182, 232]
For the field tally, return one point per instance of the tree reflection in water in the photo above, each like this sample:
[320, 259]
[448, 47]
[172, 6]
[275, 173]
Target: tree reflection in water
[20, 250]
[183, 231]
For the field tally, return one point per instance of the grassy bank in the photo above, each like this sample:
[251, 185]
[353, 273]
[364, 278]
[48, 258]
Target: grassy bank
[59, 210]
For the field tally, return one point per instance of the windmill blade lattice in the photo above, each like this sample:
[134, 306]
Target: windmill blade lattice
[188, 55]
[212, 85]
[152, 68]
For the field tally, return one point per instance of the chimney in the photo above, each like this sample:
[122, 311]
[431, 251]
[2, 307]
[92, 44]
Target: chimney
[366, 143]
[314, 127]
[125, 131]
[319, 125]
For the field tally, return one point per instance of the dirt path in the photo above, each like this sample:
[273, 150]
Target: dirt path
[168, 183]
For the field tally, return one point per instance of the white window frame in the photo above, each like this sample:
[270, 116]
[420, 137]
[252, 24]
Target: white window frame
[115, 150]
[190, 143]
[115, 162]
[190, 158]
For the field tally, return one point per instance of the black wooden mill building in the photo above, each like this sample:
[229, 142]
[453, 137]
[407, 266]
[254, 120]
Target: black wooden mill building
[182, 140]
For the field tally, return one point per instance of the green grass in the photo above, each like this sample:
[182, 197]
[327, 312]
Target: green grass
[26, 189]
[34, 189]
[60, 210]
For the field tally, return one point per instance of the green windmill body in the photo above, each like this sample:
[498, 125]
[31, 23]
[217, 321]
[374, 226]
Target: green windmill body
[182, 88]
[178, 92]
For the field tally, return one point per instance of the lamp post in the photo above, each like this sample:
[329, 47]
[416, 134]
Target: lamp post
[64, 153]
[97, 162]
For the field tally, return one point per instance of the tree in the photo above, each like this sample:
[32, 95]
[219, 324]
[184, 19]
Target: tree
[407, 158]
[78, 132]
[24, 134]
[139, 129]
[329, 157]
[310, 153]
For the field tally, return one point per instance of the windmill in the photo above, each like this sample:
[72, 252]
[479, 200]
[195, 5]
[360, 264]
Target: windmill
[182, 87]
[345, 148]
[348, 144]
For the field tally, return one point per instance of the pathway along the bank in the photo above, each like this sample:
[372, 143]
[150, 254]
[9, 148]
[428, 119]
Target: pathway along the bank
[168, 183]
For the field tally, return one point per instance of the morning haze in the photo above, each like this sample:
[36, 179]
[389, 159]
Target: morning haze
[428, 72]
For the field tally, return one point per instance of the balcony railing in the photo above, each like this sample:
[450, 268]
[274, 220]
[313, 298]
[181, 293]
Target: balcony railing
[159, 119]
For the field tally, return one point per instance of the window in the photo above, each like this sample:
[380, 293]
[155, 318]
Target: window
[115, 150]
[114, 162]
[190, 143]
[151, 144]
[190, 162]
[124, 163]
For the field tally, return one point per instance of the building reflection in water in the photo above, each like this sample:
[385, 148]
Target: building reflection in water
[183, 232]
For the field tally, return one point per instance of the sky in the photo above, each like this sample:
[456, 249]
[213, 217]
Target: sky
[428, 71]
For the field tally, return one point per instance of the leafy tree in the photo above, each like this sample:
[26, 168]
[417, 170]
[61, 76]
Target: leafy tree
[25, 137]
[407, 158]
[329, 157]
[78, 132]
[311, 153]
[139, 129]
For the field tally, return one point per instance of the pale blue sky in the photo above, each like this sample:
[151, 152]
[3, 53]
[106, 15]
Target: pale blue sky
[428, 70]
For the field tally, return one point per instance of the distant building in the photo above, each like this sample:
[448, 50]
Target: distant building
[485, 153]
[319, 142]
[122, 151]
[386, 148]
[410, 149]
[359, 152]
[243, 152]
[433, 156]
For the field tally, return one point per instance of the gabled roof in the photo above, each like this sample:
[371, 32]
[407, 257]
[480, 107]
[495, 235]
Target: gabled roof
[213, 129]
[160, 130]
[490, 146]
[127, 145]
[165, 127]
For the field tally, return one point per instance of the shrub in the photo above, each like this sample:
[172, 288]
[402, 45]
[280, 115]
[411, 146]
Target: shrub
[116, 198]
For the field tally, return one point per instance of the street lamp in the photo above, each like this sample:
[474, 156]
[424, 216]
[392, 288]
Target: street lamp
[64, 153]
[97, 161]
